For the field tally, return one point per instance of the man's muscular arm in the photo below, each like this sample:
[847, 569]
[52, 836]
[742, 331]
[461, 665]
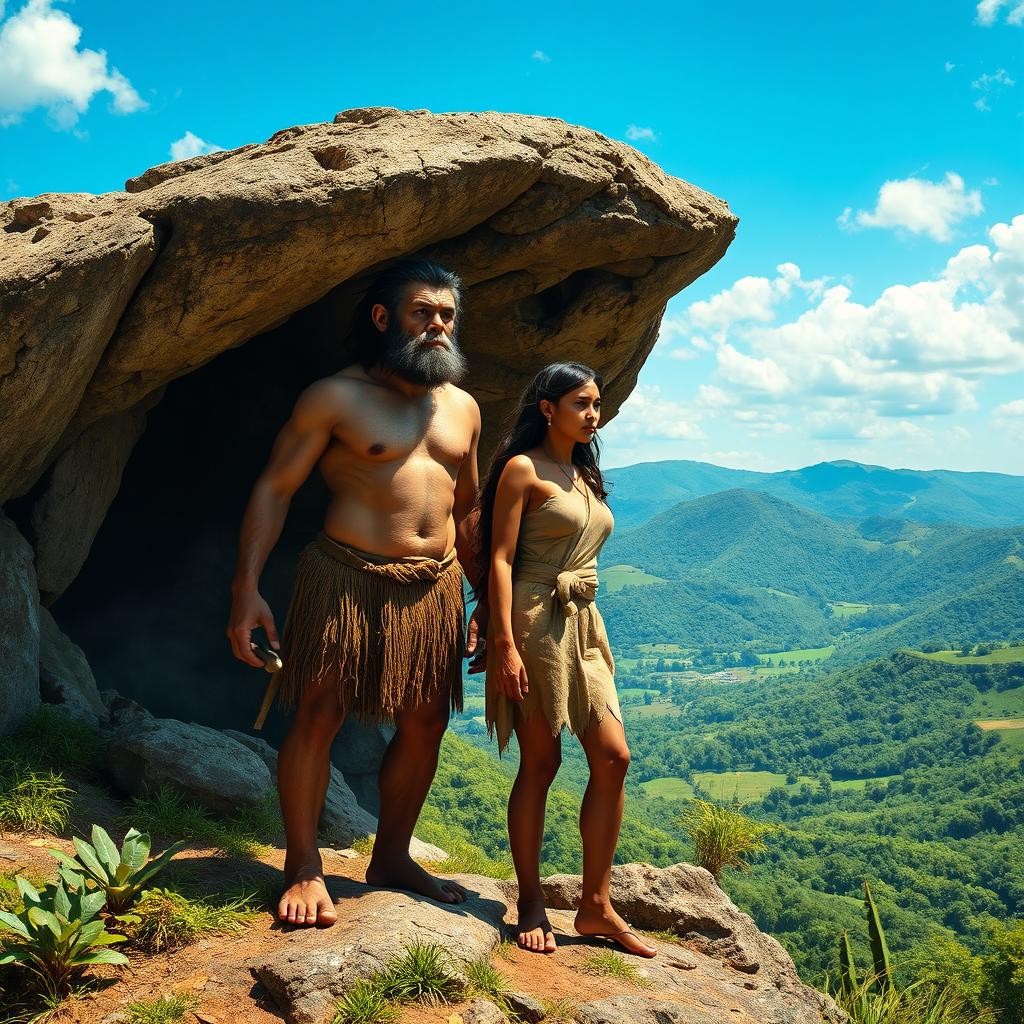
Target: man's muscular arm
[299, 445]
[467, 483]
[464, 510]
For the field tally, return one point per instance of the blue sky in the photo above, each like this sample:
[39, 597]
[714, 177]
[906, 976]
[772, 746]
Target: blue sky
[874, 153]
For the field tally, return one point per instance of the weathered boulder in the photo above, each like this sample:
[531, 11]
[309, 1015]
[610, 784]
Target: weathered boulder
[686, 901]
[525, 1007]
[482, 1011]
[311, 969]
[19, 629]
[215, 770]
[65, 679]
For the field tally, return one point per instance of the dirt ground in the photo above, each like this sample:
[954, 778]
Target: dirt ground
[213, 971]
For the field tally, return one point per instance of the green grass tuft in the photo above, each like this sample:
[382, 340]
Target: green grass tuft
[559, 1011]
[366, 1003]
[167, 814]
[363, 845]
[722, 837]
[424, 974]
[486, 980]
[607, 964]
[171, 920]
[33, 801]
[466, 859]
[506, 950]
[165, 1010]
[50, 741]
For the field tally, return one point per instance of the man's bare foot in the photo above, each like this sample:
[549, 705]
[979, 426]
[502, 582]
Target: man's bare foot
[402, 872]
[305, 899]
[599, 920]
[533, 930]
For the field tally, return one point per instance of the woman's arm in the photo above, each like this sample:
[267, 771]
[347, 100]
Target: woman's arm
[510, 501]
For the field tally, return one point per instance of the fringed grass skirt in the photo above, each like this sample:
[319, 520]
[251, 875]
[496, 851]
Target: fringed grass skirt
[387, 632]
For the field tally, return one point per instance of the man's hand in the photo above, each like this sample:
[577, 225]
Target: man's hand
[476, 640]
[249, 610]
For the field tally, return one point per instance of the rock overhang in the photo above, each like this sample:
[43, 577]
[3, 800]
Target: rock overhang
[570, 244]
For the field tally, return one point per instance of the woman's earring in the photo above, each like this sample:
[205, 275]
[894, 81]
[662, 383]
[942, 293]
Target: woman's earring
[549, 421]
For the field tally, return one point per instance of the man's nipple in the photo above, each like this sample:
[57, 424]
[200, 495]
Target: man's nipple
[376, 449]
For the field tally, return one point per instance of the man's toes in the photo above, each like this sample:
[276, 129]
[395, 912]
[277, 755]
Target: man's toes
[549, 943]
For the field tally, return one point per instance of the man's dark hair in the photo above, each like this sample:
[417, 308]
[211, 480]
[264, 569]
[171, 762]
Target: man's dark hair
[389, 288]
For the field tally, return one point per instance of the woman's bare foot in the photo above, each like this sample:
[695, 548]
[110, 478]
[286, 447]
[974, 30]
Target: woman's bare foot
[305, 899]
[533, 929]
[598, 919]
[402, 872]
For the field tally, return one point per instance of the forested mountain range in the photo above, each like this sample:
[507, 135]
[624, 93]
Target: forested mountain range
[837, 489]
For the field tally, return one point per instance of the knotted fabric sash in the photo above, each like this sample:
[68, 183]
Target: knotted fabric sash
[568, 584]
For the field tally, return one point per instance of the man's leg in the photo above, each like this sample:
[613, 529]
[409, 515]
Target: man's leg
[303, 773]
[406, 773]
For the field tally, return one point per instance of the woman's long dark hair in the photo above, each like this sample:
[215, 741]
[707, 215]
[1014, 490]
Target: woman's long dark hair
[528, 429]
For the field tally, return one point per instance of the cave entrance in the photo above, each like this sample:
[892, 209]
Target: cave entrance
[150, 606]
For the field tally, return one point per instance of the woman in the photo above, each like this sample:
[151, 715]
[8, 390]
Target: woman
[543, 521]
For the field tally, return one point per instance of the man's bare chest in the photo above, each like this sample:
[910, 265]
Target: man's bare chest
[389, 436]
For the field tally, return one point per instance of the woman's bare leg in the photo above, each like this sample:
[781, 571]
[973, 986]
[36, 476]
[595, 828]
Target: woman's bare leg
[540, 755]
[604, 743]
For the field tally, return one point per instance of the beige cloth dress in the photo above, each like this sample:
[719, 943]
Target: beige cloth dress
[557, 627]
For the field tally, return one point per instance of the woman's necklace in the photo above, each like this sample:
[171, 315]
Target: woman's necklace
[573, 479]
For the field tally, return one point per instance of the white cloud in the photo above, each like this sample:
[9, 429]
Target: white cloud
[41, 65]
[917, 350]
[646, 414]
[931, 208]
[1014, 408]
[988, 11]
[637, 134]
[750, 299]
[991, 85]
[190, 145]
[949, 66]
[541, 56]
[684, 354]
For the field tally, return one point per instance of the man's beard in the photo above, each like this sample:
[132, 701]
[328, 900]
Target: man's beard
[408, 357]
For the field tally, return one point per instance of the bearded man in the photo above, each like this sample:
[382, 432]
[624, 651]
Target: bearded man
[375, 625]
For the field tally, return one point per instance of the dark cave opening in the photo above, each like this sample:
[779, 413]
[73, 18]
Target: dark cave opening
[150, 606]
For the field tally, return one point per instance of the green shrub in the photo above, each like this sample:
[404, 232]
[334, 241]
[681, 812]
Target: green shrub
[121, 874]
[56, 936]
[723, 837]
[873, 1002]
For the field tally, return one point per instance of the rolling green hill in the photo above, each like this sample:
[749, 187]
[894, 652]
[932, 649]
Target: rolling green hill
[742, 568]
